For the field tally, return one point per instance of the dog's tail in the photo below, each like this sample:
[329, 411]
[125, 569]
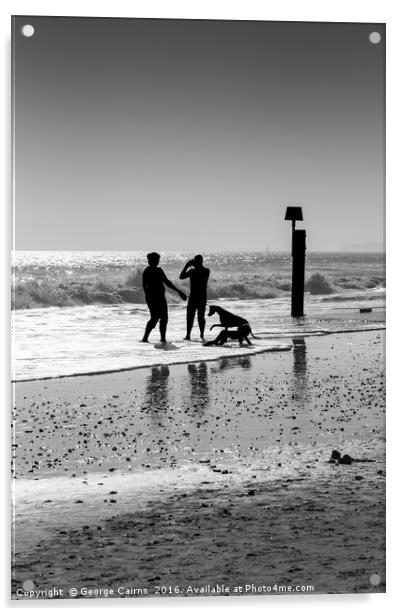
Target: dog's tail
[252, 335]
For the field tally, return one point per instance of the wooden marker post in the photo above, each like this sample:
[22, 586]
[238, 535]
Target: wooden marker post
[298, 267]
[298, 261]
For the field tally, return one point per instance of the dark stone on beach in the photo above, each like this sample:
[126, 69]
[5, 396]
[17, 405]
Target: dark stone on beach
[358, 477]
[346, 459]
[335, 456]
[366, 309]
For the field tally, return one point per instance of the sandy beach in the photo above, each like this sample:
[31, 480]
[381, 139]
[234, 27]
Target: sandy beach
[207, 475]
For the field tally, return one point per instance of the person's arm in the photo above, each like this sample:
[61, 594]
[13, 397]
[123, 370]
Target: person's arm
[184, 272]
[170, 284]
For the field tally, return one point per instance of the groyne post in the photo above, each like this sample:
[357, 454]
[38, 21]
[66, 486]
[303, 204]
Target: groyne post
[298, 261]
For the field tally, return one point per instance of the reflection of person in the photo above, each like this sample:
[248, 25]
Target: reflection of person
[157, 389]
[154, 280]
[197, 303]
[199, 384]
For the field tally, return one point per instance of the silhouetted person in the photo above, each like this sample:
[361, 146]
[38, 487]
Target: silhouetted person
[154, 280]
[197, 302]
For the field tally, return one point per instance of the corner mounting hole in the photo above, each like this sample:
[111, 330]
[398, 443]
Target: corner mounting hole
[374, 38]
[28, 30]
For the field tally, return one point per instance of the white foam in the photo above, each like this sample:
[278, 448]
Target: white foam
[52, 342]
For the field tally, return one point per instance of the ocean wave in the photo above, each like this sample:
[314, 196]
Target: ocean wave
[39, 293]
[319, 285]
[74, 279]
[356, 297]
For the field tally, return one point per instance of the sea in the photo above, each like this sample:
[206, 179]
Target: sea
[83, 312]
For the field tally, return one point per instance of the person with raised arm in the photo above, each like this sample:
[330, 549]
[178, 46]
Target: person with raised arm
[197, 303]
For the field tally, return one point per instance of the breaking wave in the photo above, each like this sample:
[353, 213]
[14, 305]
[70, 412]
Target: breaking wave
[54, 280]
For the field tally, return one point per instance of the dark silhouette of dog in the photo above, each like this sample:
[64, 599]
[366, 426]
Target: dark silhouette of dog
[228, 319]
[240, 334]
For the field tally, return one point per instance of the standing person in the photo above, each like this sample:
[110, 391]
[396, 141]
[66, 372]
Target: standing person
[197, 302]
[154, 280]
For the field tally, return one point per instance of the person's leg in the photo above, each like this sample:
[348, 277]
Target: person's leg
[191, 308]
[163, 319]
[149, 327]
[152, 321]
[201, 318]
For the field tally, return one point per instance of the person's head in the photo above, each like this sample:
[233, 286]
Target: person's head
[198, 260]
[153, 258]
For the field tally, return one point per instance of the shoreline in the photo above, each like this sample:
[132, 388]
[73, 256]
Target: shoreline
[244, 353]
[93, 340]
[277, 346]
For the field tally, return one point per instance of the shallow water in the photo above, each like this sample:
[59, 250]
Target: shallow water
[50, 342]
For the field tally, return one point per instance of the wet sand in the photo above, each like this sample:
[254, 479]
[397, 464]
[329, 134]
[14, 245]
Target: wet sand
[206, 474]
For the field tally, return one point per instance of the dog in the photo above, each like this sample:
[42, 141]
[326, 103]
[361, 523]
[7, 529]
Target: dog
[239, 334]
[229, 320]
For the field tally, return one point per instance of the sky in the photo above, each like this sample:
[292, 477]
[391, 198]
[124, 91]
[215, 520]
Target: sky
[135, 134]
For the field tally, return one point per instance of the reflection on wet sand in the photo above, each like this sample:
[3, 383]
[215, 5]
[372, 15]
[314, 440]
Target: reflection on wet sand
[233, 362]
[300, 368]
[199, 388]
[157, 388]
